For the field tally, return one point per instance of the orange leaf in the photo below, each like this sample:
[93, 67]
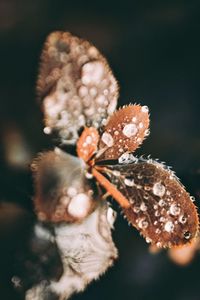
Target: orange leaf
[125, 131]
[87, 143]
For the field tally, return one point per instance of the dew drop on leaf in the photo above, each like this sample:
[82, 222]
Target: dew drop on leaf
[170, 214]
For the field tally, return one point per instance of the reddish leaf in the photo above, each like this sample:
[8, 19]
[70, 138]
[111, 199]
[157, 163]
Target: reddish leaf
[160, 208]
[87, 143]
[125, 131]
[62, 192]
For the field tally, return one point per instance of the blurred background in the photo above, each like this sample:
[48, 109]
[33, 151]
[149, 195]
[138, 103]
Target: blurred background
[153, 48]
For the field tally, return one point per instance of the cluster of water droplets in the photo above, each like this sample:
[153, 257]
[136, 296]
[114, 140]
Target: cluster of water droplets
[75, 201]
[158, 210]
[86, 91]
[87, 143]
[125, 130]
[168, 210]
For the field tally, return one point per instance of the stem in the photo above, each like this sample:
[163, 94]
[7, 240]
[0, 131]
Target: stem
[113, 191]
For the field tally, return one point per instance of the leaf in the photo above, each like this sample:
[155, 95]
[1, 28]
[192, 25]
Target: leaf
[87, 143]
[160, 208]
[125, 131]
[62, 191]
[75, 86]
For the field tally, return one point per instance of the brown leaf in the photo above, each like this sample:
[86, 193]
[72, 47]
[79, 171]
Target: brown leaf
[61, 188]
[161, 209]
[75, 86]
[125, 131]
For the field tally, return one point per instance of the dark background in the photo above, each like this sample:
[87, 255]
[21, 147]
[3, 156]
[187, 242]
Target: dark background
[153, 48]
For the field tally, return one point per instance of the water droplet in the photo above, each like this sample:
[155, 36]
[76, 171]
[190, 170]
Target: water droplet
[92, 72]
[143, 206]
[174, 209]
[187, 235]
[147, 132]
[162, 203]
[129, 182]
[100, 99]
[141, 125]
[159, 189]
[144, 109]
[93, 91]
[182, 219]
[130, 130]
[159, 244]
[116, 132]
[83, 91]
[47, 130]
[127, 158]
[138, 186]
[116, 173]
[104, 122]
[155, 223]
[162, 219]
[169, 226]
[79, 205]
[148, 240]
[155, 206]
[88, 139]
[157, 213]
[107, 139]
[147, 188]
[143, 224]
[134, 119]
[136, 209]
[192, 198]
[88, 175]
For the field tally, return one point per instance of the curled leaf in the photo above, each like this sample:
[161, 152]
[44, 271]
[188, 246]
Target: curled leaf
[75, 86]
[160, 209]
[125, 131]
